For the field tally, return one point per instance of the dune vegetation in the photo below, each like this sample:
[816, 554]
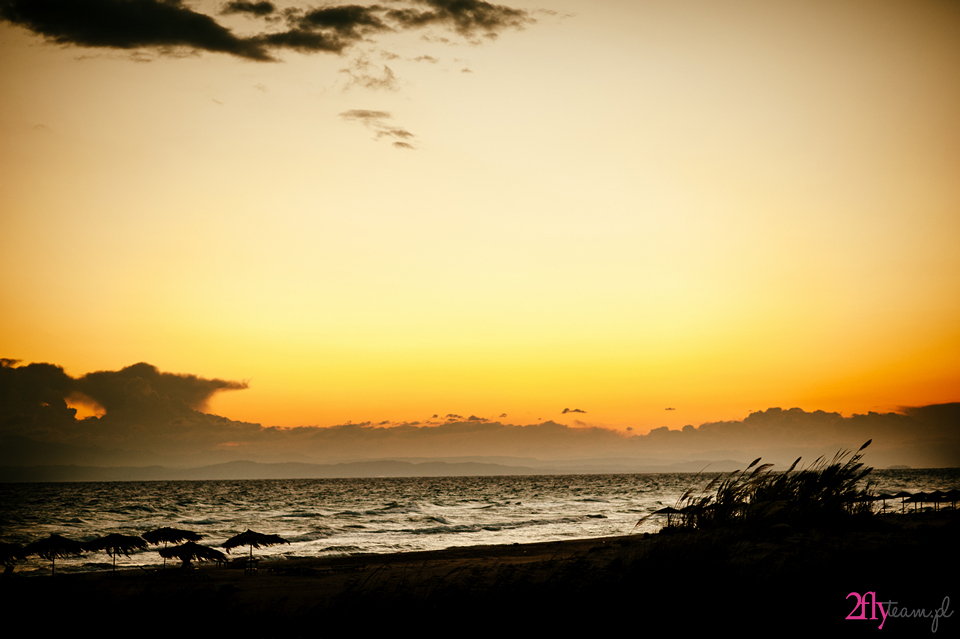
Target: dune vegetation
[758, 497]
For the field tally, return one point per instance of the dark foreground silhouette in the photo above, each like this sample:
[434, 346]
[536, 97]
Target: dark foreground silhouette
[784, 580]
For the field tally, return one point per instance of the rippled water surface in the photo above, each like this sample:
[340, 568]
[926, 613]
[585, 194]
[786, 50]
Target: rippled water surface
[337, 516]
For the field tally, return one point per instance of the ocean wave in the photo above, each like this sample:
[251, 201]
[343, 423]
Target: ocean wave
[395, 508]
[309, 537]
[480, 526]
[342, 550]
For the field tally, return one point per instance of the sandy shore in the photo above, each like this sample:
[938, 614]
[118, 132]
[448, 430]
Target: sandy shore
[777, 580]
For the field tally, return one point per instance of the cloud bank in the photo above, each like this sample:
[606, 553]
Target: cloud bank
[169, 26]
[153, 417]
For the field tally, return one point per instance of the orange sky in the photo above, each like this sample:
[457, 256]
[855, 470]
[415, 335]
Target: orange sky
[620, 207]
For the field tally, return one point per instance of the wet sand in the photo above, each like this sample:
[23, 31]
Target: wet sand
[777, 580]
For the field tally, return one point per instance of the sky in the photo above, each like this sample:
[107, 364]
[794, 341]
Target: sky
[652, 214]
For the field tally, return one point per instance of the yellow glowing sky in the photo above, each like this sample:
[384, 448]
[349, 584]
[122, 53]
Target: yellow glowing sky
[627, 206]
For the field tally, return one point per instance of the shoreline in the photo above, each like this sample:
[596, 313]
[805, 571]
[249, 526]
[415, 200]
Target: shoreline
[758, 579]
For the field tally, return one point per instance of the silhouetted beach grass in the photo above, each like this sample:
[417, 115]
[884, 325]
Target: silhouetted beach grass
[822, 494]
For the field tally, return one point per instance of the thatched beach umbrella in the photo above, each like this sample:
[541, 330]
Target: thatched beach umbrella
[936, 497]
[953, 496]
[189, 551]
[903, 495]
[117, 544]
[54, 547]
[919, 498]
[663, 511]
[667, 511]
[254, 540]
[882, 497]
[170, 536]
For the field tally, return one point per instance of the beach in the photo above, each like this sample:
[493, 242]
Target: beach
[774, 579]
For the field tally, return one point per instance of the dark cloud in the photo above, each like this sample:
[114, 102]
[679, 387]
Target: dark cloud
[365, 115]
[395, 132]
[164, 25]
[330, 29]
[37, 394]
[304, 41]
[469, 18]
[349, 21]
[145, 384]
[149, 415]
[258, 9]
[128, 24]
[572, 410]
[375, 120]
[33, 398]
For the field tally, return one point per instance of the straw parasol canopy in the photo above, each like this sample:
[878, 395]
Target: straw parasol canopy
[254, 540]
[903, 495]
[54, 547]
[937, 497]
[919, 498]
[953, 496]
[189, 551]
[117, 544]
[170, 536]
[669, 510]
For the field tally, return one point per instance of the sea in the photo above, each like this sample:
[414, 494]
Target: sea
[329, 517]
